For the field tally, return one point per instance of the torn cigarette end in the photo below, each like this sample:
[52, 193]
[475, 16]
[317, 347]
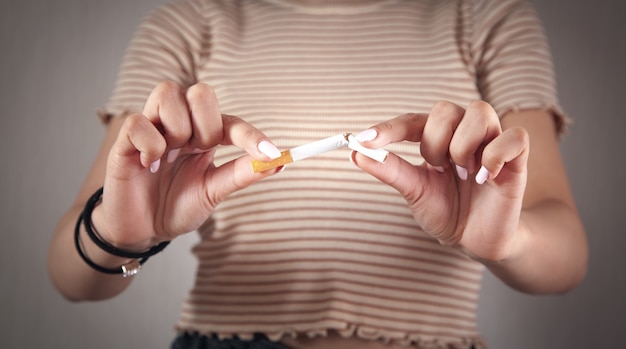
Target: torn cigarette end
[260, 166]
[377, 154]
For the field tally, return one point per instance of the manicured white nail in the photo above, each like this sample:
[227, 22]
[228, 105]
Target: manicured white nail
[352, 154]
[439, 169]
[172, 155]
[269, 149]
[482, 175]
[462, 172]
[367, 135]
[154, 167]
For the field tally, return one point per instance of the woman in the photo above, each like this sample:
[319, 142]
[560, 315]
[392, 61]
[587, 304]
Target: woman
[324, 253]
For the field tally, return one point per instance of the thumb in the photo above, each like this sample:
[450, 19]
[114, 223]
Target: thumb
[427, 190]
[396, 172]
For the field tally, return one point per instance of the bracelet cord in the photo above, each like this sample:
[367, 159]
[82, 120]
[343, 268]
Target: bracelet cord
[94, 200]
[126, 270]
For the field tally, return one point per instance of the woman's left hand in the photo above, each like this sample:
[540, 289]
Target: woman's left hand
[468, 193]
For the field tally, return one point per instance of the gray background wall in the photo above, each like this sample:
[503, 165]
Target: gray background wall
[58, 61]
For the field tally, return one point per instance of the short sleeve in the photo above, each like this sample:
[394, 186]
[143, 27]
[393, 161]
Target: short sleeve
[512, 58]
[167, 46]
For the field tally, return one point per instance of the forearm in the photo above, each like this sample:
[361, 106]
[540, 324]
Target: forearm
[550, 255]
[71, 275]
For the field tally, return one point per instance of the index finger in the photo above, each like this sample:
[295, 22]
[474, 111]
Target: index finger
[242, 134]
[406, 127]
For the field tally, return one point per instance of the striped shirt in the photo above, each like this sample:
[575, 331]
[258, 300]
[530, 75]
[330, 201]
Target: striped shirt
[324, 246]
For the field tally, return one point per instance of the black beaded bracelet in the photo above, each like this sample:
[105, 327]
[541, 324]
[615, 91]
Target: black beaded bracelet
[126, 270]
[95, 237]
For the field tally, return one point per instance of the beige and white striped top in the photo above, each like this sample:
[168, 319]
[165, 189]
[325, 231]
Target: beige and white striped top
[324, 246]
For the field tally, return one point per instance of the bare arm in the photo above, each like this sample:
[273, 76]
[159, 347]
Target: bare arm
[552, 253]
[69, 273]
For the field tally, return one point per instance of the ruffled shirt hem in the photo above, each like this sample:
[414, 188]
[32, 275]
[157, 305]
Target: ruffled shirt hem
[409, 340]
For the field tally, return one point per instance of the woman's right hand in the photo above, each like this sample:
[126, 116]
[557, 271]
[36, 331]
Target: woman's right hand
[160, 180]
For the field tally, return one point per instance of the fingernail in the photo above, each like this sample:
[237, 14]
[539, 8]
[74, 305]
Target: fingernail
[154, 167]
[439, 169]
[172, 155]
[482, 175]
[367, 135]
[352, 154]
[269, 149]
[462, 172]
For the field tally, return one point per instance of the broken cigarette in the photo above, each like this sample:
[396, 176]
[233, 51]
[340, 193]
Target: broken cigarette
[319, 147]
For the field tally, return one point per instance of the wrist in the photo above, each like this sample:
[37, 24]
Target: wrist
[104, 231]
[508, 252]
[127, 269]
[98, 255]
[510, 265]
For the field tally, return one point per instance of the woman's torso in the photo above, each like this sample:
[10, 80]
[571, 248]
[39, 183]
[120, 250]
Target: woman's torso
[324, 246]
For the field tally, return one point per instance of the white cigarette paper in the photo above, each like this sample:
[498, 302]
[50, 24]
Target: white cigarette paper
[319, 147]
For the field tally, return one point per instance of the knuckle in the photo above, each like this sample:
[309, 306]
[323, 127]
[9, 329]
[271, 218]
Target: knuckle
[519, 135]
[490, 157]
[166, 88]
[116, 160]
[414, 119]
[461, 154]
[479, 104]
[415, 126]
[132, 122]
[201, 91]
[252, 133]
[444, 108]
[409, 117]
[205, 140]
[481, 111]
[165, 93]
[228, 119]
[386, 126]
